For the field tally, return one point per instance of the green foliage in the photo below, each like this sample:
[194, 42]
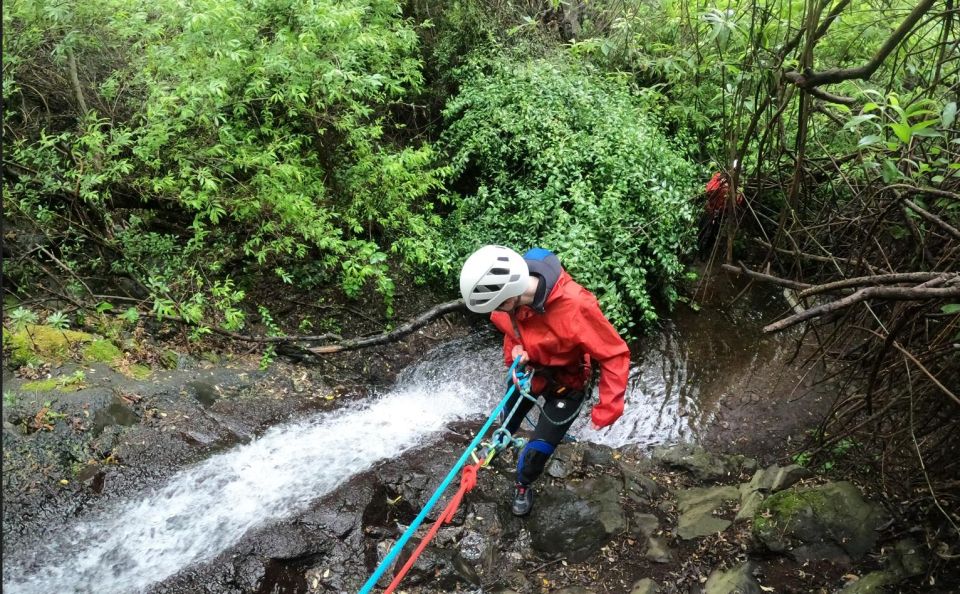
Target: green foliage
[248, 138]
[892, 131]
[58, 320]
[556, 155]
[21, 318]
[9, 398]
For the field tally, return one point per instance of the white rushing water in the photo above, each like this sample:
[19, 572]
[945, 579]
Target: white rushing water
[204, 509]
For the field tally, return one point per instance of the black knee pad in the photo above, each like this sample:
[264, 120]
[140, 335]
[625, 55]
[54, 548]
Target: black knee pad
[532, 460]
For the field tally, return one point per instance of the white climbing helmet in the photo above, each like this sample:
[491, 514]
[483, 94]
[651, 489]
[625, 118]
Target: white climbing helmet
[490, 276]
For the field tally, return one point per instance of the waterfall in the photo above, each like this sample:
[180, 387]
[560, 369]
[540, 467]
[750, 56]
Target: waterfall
[206, 508]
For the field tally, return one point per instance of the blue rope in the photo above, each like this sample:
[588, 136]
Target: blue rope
[398, 546]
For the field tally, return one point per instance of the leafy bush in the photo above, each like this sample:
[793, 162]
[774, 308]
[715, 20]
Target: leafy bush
[551, 154]
[223, 137]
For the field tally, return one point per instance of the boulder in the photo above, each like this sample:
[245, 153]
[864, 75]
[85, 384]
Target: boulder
[697, 507]
[576, 522]
[738, 580]
[645, 586]
[700, 463]
[658, 551]
[829, 521]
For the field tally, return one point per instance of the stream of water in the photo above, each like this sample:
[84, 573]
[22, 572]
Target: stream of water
[186, 521]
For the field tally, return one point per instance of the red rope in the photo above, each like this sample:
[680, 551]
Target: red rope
[468, 480]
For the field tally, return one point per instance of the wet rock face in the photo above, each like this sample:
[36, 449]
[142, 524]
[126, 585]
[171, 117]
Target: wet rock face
[565, 522]
[823, 522]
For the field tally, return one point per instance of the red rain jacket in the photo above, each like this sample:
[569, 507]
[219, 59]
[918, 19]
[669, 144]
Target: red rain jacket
[717, 189]
[569, 336]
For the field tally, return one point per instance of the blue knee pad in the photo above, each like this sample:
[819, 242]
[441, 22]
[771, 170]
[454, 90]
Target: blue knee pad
[532, 459]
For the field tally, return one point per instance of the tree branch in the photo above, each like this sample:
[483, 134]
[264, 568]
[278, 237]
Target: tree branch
[809, 80]
[420, 321]
[765, 277]
[75, 81]
[815, 257]
[889, 293]
[878, 279]
[933, 219]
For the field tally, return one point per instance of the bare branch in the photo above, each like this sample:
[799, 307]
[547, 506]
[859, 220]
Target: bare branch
[816, 258]
[764, 277]
[933, 219]
[75, 81]
[420, 321]
[889, 293]
[878, 279]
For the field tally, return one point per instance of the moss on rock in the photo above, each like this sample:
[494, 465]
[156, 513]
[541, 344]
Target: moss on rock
[818, 522]
[102, 351]
[46, 385]
[140, 372]
[36, 344]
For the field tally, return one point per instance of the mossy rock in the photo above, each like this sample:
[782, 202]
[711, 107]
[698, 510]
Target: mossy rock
[41, 344]
[823, 522]
[140, 372]
[47, 385]
[102, 351]
[38, 344]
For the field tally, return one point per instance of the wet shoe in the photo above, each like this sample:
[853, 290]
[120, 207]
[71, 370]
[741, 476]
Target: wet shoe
[522, 500]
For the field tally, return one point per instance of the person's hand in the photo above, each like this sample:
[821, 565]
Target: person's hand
[595, 427]
[519, 352]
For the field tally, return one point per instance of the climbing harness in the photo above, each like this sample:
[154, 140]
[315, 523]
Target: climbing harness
[482, 453]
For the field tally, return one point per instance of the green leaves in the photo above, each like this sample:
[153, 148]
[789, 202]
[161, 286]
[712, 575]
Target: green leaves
[258, 137]
[557, 155]
[21, 318]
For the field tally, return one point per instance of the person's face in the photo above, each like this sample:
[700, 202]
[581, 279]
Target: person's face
[509, 305]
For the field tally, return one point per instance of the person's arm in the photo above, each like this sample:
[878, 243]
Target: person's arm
[605, 346]
[502, 322]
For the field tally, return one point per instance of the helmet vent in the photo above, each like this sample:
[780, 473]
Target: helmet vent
[514, 278]
[499, 271]
[490, 288]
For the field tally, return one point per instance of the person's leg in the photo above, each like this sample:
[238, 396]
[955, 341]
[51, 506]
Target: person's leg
[555, 420]
[708, 226]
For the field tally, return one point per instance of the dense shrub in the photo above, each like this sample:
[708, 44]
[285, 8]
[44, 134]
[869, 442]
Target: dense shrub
[221, 138]
[559, 156]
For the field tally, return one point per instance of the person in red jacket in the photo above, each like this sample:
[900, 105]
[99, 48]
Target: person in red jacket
[555, 325]
[717, 193]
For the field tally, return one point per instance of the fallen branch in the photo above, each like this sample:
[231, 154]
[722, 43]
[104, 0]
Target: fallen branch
[875, 280]
[889, 293]
[392, 336]
[764, 277]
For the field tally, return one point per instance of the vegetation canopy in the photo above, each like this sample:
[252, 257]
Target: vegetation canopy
[552, 154]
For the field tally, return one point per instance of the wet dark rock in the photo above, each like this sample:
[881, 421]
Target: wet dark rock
[206, 393]
[438, 568]
[565, 461]
[565, 522]
[595, 454]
